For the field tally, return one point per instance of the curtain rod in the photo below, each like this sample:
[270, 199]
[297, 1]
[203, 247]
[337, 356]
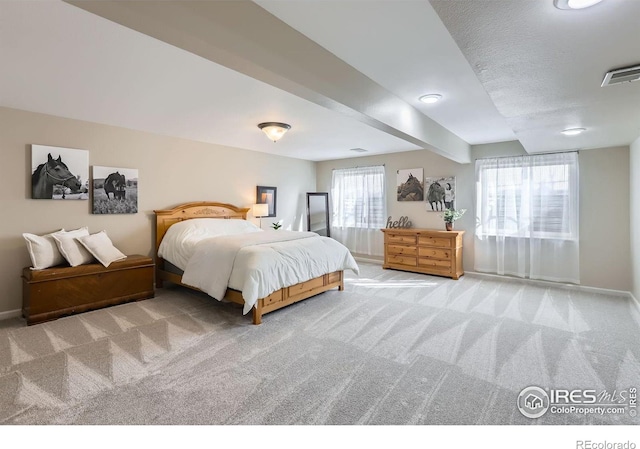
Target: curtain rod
[360, 166]
[521, 155]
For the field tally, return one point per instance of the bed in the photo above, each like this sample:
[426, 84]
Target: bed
[256, 291]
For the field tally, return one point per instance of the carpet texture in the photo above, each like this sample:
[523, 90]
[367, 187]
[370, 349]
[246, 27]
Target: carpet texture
[393, 348]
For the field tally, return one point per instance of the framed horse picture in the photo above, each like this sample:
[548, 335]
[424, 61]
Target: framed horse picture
[441, 193]
[59, 173]
[115, 190]
[410, 185]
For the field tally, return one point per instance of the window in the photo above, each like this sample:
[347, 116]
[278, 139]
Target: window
[359, 198]
[527, 217]
[528, 196]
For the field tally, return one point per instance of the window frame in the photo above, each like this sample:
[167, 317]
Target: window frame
[361, 214]
[528, 218]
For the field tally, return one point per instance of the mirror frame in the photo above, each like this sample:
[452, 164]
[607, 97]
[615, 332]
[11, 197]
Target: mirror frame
[326, 210]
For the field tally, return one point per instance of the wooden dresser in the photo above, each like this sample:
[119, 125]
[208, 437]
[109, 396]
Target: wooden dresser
[424, 251]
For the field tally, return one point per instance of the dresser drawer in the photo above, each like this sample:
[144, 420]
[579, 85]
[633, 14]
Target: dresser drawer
[434, 263]
[401, 238]
[305, 286]
[434, 241]
[401, 260]
[434, 253]
[401, 249]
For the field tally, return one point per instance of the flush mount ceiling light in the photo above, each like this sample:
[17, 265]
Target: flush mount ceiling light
[573, 131]
[574, 4]
[274, 130]
[430, 98]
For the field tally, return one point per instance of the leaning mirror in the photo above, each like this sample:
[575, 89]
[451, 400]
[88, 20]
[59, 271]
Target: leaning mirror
[318, 213]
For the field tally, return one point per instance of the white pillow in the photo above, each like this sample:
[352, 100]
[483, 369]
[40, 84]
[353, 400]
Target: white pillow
[210, 227]
[43, 250]
[100, 245]
[70, 247]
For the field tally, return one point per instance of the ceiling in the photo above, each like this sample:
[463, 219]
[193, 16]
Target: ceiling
[344, 74]
[543, 67]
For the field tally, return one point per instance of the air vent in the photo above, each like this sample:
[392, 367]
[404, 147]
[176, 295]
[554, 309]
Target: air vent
[618, 76]
[358, 150]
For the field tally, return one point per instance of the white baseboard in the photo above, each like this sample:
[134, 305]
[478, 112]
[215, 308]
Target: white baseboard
[635, 301]
[577, 287]
[366, 259]
[10, 314]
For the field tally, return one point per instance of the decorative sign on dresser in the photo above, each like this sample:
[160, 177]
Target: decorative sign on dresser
[404, 222]
[424, 251]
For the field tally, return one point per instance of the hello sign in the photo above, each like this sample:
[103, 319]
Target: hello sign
[404, 222]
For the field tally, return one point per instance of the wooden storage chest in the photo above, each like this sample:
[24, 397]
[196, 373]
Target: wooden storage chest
[424, 251]
[54, 292]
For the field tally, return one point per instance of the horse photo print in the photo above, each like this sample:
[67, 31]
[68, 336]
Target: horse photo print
[115, 190]
[410, 185]
[59, 173]
[441, 193]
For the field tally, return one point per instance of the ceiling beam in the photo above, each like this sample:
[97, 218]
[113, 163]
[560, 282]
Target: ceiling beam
[244, 37]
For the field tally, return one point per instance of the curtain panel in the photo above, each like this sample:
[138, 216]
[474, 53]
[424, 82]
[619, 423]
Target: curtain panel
[359, 206]
[527, 217]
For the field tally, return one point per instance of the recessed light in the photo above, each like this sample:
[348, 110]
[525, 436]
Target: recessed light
[575, 4]
[573, 131]
[358, 150]
[430, 99]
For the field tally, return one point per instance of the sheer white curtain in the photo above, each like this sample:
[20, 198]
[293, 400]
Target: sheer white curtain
[359, 205]
[527, 217]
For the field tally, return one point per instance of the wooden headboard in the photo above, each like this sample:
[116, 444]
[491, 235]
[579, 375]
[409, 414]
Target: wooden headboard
[187, 211]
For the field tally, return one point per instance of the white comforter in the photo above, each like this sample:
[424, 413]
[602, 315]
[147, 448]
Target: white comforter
[260, 263]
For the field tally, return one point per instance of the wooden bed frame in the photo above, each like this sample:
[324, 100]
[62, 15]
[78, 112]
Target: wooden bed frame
[277, 300]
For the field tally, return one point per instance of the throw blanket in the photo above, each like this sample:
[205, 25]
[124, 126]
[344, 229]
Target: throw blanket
[270, 260]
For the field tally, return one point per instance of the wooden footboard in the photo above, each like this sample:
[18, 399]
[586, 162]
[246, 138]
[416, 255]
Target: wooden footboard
[276, 300]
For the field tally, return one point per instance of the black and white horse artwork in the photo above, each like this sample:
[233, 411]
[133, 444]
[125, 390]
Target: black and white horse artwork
[435, 196]
[115, 184]
[411, 189]
[53, 173]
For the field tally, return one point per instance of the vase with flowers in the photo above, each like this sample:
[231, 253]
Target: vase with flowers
[450, 216]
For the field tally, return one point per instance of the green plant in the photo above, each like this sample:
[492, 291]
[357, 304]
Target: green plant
[451, 215]
[276, 225]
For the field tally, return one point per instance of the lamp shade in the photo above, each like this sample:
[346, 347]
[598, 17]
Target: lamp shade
[274, 130]
[260, 210]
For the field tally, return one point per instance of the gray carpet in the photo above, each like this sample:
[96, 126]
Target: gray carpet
[393, 348]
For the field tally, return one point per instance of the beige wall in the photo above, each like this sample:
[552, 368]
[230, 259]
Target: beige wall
[604, 187]
[433, 165]
[635, 217]
[171, 171]
[604, 218]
